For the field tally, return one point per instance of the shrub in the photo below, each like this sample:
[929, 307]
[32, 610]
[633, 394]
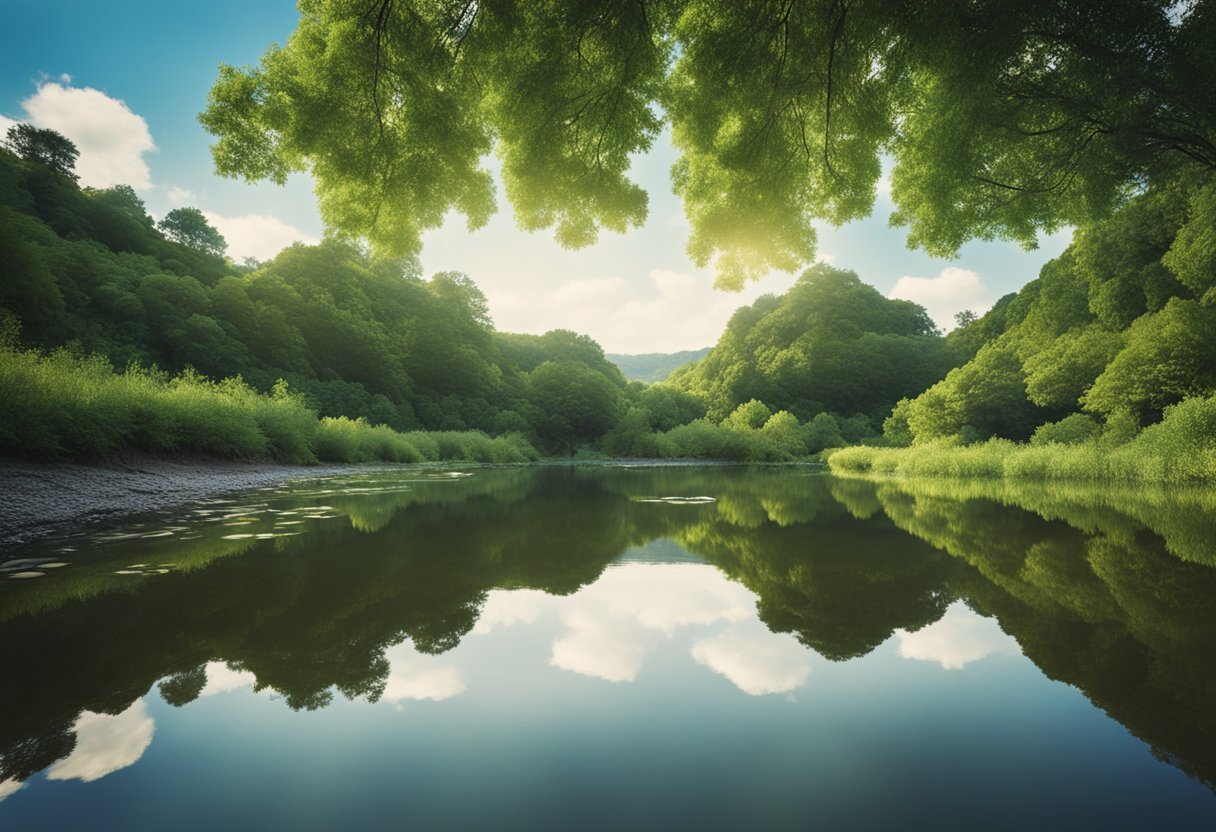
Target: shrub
[65, 406]
[1070, 430]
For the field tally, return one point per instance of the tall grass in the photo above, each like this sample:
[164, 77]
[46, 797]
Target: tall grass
[1179, 449]
[61, 406]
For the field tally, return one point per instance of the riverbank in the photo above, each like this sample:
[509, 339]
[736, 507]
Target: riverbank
[1180, 449]
[41, 499]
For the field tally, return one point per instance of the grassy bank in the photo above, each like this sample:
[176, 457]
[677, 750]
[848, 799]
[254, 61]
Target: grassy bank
[61, 406]
[1179, 449]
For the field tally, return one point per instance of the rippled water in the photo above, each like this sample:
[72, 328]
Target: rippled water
[605, 647]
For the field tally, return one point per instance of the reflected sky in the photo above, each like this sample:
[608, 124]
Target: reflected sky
[105, 743]
[512, 648]
[957, 639]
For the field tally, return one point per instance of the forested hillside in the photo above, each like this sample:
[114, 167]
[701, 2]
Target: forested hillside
[356, 336]
[652, 367]
[1107, 339]
[1113, 332]
[1109, 358]
[832, 344]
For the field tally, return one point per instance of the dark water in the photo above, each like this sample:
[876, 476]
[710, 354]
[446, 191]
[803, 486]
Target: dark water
[572, 648]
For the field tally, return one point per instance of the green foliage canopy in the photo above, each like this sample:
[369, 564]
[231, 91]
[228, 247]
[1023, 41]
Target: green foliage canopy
[45, 147]
[574, 403]
[189, 227]
[1121, 325]
[832, 343]
[1002, 119]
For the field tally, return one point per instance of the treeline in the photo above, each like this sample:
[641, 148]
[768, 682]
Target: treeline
[1112, 335]
[1108, 359]
[65, 406]
[354, 337]
[89, 271]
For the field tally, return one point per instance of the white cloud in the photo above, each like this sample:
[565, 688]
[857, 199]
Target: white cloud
[111, 139]
[5, 124]
[668, 311]
[960, 637]
[179, 196]
[257, 235]
[952, 291]
[105, 744]
[221, 678]
[591, 291]
[757, 663]
[417, 676]
[10, 787]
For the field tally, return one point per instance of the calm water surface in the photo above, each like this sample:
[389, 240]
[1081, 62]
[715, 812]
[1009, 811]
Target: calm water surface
[607, 647]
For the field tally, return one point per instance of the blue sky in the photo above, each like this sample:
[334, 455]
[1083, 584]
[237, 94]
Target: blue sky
[125, 80]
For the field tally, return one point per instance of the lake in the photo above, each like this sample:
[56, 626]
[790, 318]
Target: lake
[614, 646]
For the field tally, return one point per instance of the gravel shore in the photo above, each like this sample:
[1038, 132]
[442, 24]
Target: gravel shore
[37, 500]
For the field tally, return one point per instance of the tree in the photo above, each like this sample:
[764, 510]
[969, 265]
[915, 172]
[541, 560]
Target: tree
[822, 432]
[530, 351]
[1059, 374]
[1168, 356]
[1003, 118]
[44, 146]
[985, 397]
[965, 318]
[575, 403]
[123, 198]
[751, 415]
[189, 227]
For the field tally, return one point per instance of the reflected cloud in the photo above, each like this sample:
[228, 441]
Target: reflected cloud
[105, 744]
[221, 678]
[417, 676]
[616, 621]
[10, 787]
[505, 608]
[669, 596]
[596, 647]
[757, 663]
[960, 637]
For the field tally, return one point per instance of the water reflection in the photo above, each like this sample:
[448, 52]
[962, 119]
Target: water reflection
[360, 588]
[417, 676]
[957, 639]
[612, 625]
[756, 661]
[105, 743]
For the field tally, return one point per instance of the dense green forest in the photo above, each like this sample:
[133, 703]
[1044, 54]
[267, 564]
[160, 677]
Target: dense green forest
[364, 342]
[1111, 352]
[831, 344]
[352, 336]
[1112, 338]
[1000, 122]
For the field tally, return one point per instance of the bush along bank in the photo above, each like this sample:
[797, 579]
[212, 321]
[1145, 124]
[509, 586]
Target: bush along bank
[64, 406]
[1181, 448]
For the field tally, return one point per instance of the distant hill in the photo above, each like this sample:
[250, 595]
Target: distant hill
[654, 366]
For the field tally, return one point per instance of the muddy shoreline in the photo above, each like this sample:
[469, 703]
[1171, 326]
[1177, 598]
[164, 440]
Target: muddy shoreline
[42, 499]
